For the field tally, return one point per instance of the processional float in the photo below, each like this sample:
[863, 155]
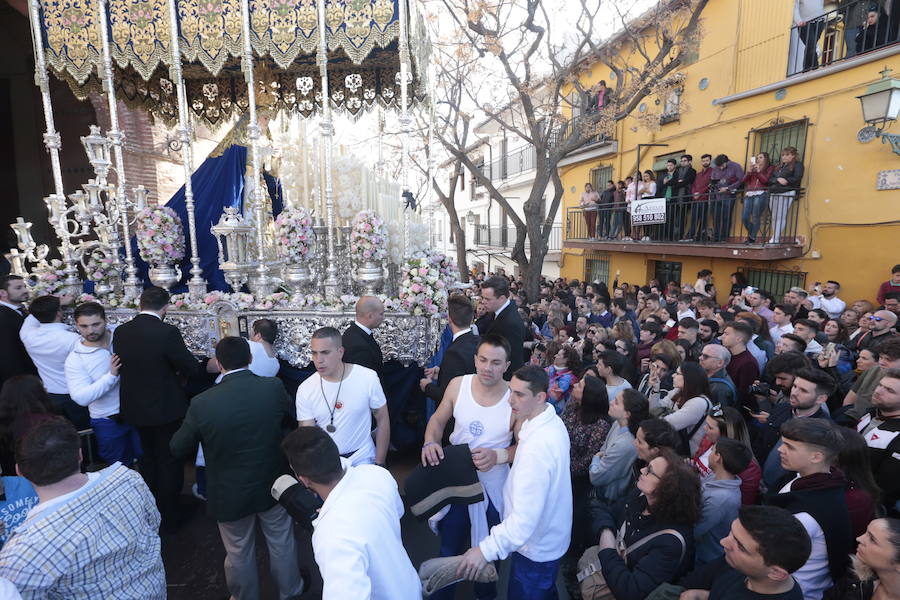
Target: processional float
[187, 60]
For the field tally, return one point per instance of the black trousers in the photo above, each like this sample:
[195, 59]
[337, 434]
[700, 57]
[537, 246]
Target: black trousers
[77, 414]
[162, 472]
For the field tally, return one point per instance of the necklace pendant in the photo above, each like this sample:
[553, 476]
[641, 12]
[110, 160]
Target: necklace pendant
[330, 428]
[338, 405]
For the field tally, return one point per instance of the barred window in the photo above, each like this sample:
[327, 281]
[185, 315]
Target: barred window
[596, 267]
[774, 281]
[774, 139]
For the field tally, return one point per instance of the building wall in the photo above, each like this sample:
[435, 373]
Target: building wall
[847, 227]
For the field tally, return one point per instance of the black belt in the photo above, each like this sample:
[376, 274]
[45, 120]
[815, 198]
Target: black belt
[349, 454]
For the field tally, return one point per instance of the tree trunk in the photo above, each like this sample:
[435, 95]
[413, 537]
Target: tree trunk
[459, 234]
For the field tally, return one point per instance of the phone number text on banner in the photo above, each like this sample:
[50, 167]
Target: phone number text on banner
[648, 211]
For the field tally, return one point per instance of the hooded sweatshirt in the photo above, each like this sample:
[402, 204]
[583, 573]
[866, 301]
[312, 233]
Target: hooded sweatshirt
[819, 502]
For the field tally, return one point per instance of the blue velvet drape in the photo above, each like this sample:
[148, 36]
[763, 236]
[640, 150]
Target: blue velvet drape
[217, 184]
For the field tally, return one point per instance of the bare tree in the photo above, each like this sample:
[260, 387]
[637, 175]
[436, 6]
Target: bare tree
[502, 62]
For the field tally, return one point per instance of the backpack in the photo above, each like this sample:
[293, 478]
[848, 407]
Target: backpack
[685, 435]
[728, 382]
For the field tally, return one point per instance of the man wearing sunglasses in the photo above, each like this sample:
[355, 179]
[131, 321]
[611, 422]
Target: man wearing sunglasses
[881, 327]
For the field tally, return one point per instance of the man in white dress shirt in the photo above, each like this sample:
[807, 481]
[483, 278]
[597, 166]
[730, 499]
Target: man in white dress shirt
[48, 342]
[341, 399]
[827, 300]
[356, 538]
[264, 361]
[537, 497]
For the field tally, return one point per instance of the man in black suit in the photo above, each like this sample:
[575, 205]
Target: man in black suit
[459, 357]
[151, 396]
[15, 361]
[505, 322]
[360, 347]
[242, 446]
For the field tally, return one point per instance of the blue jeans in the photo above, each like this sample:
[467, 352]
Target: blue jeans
[751, 215]
[116, 441]
[529, 580]
[615, 227]
[456, 538]
[722, 209]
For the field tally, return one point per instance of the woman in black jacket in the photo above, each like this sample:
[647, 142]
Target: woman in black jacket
[653, 528]
[783, 186]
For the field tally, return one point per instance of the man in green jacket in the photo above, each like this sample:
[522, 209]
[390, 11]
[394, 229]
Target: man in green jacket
[241, 422]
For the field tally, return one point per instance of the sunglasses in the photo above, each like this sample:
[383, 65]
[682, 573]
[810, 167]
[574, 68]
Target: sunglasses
[874, 318]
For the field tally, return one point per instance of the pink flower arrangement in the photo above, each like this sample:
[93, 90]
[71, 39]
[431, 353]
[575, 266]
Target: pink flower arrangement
[422, 292]
[159, 235]
[368, 237]
[99, 267]
[294, 234]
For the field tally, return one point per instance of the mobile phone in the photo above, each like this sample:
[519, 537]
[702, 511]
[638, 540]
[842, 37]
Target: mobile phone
[829, 349]
[670, 323]
[752, 160]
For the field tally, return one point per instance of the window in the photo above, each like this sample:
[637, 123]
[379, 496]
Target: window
[671, 108]
[659, 165]
[596, 267]
[666, 271]
[599, 177]
[773, 139]
[773, 281]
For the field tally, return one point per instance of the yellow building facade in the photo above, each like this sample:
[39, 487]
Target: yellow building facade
[737, 98]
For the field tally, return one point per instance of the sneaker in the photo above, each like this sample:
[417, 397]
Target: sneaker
[196, 493]
[646, 238]
[686, 240]
[749, 241]
[627, 238]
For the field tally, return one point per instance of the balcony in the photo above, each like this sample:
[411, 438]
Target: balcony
[572, 126]
[837, 35]
[505, 237]
[719, 232]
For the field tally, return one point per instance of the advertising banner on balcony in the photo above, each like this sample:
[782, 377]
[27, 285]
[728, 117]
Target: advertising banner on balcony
[648, 211]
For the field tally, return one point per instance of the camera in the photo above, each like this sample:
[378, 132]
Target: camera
[760, 389]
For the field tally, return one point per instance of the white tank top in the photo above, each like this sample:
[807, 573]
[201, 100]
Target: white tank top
[480, 426]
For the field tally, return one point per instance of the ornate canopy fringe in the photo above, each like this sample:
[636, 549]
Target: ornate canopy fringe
[363, 60]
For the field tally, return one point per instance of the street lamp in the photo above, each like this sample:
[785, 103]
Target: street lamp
[880, 106]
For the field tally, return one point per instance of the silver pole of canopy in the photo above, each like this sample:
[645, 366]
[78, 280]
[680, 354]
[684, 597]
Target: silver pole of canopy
[57, 200]
[196, 284]
[405, 119]
[260, 283]
[117, 138]
[331, 283]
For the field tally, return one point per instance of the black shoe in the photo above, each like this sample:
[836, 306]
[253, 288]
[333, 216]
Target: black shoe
[749, 241]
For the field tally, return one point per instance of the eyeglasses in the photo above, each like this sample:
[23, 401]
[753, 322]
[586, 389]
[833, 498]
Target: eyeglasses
[649, 471]
[874, 318]
[707, 356]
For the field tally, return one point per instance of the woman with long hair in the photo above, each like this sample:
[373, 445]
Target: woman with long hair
[876, 565]
[738, 283]
[627, 349]
[23, 404]
[623, 330]
[756, 194]
[868, 359]
[863, 494]
[666, 497]
[610, 468]
[690, 403]
[836, 333]
[586, 418]
[728, 423]
[563, 373]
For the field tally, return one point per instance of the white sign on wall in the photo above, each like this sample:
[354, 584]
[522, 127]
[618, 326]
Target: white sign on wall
[888, 180]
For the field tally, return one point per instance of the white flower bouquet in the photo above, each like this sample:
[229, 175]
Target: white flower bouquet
[160, 237]
[422, 291]
[368, 238]
[294, 234]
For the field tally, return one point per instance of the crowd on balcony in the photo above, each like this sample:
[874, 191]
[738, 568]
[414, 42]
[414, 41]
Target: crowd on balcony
[699, 205]
[867, 25]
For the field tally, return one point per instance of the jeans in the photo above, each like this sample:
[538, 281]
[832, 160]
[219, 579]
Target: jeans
[529, 580]
[850, 41]
[809, 36]
[779, 205]
[456, 537]
[722, 209]
[116, 441]
[699, 212]
[590, 217]
[615, 227]
[751, 215]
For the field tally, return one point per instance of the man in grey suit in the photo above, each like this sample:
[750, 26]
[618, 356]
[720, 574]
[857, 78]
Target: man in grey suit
[241, 422]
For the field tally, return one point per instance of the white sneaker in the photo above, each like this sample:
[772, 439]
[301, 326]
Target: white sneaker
[196, 493]
[646, 238]
[627, 238]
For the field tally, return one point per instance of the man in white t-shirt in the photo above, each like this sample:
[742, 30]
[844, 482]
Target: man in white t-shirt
[341, 399]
